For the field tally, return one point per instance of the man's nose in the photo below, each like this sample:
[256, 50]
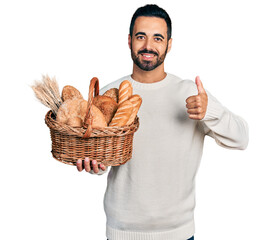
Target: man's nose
[148, 44]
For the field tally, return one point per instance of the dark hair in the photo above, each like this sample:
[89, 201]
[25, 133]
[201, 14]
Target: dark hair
[152, 10]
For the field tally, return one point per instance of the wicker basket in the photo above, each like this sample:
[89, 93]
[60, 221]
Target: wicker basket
[111, 146]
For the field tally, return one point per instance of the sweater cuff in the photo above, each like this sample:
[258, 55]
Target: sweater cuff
[214, 109]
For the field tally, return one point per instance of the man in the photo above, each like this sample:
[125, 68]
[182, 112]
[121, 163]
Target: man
[152, 196]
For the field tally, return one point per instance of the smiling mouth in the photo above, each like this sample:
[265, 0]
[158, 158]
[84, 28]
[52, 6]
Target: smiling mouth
[147, 56]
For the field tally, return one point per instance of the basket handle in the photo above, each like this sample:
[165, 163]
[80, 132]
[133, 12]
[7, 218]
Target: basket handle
[94, 87]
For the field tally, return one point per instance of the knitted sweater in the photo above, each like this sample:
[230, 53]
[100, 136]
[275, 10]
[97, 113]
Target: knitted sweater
[152, 196]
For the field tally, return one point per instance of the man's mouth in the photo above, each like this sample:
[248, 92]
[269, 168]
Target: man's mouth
[147, 56]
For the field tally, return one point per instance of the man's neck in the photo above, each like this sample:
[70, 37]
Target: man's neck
[142, 76]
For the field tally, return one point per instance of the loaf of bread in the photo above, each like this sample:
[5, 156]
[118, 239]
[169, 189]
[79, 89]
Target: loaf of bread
[136, 101]
[122, 114]
[72, 109]
[70, 92]
[107, 105]
[113, 93]
[125, 91]
[98, 118]
[75, 122]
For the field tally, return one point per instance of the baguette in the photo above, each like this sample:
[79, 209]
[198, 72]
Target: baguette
[136, 101]
[125, 91]
[122, 114]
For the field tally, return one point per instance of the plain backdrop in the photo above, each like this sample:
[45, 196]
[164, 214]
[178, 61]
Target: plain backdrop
[229, 44]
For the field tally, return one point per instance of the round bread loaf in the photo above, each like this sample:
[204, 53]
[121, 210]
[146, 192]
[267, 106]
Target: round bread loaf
[70, 92]
[113, 93]
[75, 122]
[72, 112]
[98, 118]
[69, 109]
[107, 105]
[83, 109]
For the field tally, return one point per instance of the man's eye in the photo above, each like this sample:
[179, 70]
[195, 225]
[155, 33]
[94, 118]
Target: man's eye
[158, 39]
[140, 37]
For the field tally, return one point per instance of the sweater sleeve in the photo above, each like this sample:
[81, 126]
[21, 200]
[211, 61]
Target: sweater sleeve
[228, 129]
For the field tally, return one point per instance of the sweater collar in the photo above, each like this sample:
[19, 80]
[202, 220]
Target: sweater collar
[148, 86]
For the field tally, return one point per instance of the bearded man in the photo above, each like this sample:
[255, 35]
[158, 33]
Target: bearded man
[152, 196]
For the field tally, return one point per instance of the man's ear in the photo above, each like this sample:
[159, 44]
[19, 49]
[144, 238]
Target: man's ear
[169, 45]
[129, 41]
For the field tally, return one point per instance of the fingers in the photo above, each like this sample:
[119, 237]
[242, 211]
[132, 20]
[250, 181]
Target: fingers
[195, 110]
[191, 99]
[196, 106]
[87, 165]
[195, 98]
[103, 167]
[79, 165]
[199, 85]
[196, 113]
[193, 105]
[95, 166]
[196, 116]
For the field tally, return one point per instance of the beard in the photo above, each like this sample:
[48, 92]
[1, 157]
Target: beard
[148, 65]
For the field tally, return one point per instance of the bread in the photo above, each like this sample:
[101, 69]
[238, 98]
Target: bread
[122, 114]
[69, 109]
[116, 107]
[94, 119]
[69, 92]
[75, 122]
[125, 91]
[83, 109]
[136, 101]
[107, 105]
[98, 118]
[113, 93]
[72, 112]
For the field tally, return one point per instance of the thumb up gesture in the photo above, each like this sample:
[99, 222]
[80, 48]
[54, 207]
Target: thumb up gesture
[197, 105]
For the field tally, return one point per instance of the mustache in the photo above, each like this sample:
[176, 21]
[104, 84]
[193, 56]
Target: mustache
[147, 51]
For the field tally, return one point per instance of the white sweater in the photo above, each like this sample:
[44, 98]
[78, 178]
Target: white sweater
[152, 196]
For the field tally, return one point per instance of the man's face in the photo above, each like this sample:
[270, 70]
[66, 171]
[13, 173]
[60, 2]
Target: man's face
[149, 44]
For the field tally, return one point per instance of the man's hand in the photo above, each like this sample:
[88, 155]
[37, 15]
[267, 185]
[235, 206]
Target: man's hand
[197, 105]
[87, 165]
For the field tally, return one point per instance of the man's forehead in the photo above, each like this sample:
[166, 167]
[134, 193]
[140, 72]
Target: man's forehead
[150, 25]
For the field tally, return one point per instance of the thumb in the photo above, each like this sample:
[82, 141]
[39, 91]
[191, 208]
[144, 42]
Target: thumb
[199, 85]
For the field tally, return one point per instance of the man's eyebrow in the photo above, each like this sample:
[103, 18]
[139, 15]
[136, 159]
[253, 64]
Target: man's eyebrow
[140, 33]
[158, 35]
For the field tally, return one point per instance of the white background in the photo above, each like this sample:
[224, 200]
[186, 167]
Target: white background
[229, 44]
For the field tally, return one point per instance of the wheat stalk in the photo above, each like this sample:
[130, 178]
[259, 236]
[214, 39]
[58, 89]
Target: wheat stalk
[47, 92]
